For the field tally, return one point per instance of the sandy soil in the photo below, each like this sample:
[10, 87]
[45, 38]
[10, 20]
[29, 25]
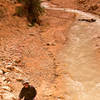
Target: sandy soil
[91, 6]
[35, 47]
[65, 3]
[44, 51]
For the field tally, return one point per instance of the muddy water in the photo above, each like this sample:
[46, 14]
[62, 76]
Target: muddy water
[78, 67]
[80, 62]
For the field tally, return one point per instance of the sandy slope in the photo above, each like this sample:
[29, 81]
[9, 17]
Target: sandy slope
[60, 57]
[34, 47]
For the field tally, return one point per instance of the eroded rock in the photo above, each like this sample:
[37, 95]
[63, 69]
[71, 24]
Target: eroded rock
[1, 72]
[7, 88]
[8, 96]
[18, 70]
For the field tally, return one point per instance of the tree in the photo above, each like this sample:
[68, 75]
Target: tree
[32, 10]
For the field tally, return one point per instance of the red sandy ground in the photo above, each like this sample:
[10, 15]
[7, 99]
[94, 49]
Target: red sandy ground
[37, 46]
[92, 6]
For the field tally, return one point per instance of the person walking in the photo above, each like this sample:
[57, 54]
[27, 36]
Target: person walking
[28, 92]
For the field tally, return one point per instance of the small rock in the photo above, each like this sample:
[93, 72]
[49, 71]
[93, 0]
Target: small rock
[6, 73]
[30, 25]
[18, 60]
[5, 70]
[8, 96]
[19, 78]
[9, 63]
[16, 69]
[98, 37]
[93, 7]
[48, 44]
[6, 88]
[10, 67]
[1, 72]
[81, 1]
[7, 80]
[51, 44]
[88, 20]
[3, 78]
[31, 34]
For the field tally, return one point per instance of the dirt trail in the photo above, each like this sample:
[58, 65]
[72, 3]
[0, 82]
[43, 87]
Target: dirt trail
[78, 71]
